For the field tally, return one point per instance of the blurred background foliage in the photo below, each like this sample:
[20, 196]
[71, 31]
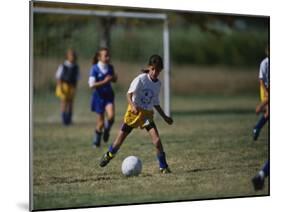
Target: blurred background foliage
[204, 47]
[195, 38]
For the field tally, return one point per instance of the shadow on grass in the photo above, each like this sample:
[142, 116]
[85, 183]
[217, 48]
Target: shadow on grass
[227, 111]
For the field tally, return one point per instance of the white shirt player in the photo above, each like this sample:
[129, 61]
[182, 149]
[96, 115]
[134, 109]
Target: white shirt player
[145, 91]
[263, 74]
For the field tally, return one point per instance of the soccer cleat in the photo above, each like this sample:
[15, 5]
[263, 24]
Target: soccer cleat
[95, 146]
[258, 182]
[106, 159]
[106, 135]
[165, 170]
[256, 133]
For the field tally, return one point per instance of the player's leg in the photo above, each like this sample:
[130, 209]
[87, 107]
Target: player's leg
[98, 130]
[161, 156]
[69, 105]
[257, 128]
[63, 106]
[70, 110]
[258, 180]
[114, 147]
[110, 111]
[263, 117]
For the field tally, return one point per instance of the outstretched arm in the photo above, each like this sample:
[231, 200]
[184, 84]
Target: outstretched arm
[167, 119]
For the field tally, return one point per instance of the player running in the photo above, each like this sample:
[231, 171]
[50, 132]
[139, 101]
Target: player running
[258, 180]
[67, 76]
[101, 75]
[264, 85]
[143, 96]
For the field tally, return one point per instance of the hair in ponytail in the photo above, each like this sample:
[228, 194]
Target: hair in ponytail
[97, 54]
[96, 58]
[154, 60]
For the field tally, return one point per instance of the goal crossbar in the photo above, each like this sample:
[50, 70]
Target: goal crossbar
[159, 16]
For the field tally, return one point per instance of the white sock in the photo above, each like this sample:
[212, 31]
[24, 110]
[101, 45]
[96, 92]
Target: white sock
[261, 174]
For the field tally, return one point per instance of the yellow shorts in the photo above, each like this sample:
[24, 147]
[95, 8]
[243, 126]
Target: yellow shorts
[142, 119]
[263, 96]
[65, 92]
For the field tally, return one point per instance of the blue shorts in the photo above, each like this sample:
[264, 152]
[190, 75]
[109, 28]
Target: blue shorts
[98, 104]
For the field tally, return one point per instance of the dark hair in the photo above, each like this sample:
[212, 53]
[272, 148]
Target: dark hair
[156, 61]
[97, 54]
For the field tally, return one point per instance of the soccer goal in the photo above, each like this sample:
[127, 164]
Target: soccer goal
[104, 40]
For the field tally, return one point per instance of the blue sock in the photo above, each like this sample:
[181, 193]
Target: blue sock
[69, 117]
[261, 123]
[64, 118]
[97, 138]
[108, 124]
[265, 169]
[113, 150]
[162, 160]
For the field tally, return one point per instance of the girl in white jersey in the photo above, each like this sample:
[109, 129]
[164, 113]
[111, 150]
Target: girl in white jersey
[143, 96]
[264, 88]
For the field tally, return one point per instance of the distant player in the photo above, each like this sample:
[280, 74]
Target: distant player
[101, 76]
[67, 76]
[143, 96]
[264, 85]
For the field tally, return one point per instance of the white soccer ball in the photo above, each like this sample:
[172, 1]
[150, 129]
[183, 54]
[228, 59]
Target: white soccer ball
[131, 166]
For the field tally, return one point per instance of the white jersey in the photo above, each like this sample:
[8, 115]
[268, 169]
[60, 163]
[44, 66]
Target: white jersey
[145, 91]
[263, 74]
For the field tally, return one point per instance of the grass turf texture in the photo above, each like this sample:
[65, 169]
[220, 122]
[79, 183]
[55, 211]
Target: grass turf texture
[209, 149]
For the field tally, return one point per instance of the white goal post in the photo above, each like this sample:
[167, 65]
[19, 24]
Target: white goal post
[138, 15]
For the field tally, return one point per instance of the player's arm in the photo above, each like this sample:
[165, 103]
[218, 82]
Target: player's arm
[101, 83]
[260, 107]
[134, 86]
[59, 84]
[264, 87]
[167, 119]
[135, 108]
[78, 76]
[58, 77]
[114, 75]
[93, 84]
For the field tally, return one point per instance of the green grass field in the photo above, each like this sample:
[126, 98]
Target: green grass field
[209, 149]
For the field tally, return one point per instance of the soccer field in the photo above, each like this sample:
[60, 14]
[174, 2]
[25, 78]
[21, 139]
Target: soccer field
[209, 150]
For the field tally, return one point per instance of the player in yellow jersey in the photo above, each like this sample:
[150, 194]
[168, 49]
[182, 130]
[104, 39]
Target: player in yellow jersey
[67, 76]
